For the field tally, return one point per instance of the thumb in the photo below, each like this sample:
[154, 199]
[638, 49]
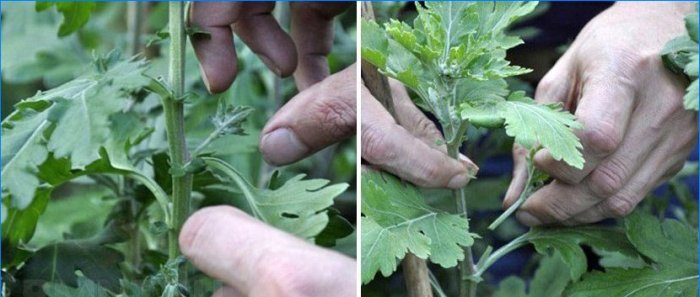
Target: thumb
[319, 116]
[253, 259]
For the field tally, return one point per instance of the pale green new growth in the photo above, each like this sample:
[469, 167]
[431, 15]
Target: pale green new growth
[72, 121]
[454, 59]
[298, 207]
[681, 56]
[397, 221]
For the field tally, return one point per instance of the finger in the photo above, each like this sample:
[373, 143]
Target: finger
[315, 118]
[558, 85]
[517, 184]
[258, 260]
[410, 117]
[604, 110]
[312, 31]
[559, 201]
[391, 147]
[260, 31]
[216, 54]
[227, 291]
[663, 163]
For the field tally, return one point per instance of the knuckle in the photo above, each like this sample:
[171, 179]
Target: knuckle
[375, 146]
[336, 116]
[642, 62]
[545, 87]
[609, 178]
[602, 138]
[558, 212]
[426, 127]
[619, 206]
[429, 175]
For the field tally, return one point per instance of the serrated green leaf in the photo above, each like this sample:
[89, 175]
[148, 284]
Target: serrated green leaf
[680, 55]
[19, 224]
[553, 128]
[75, 14]
[567, 243]
[23, 150]
[670, 244]
[691, 69]
[374, 44]
[690, 100]
[678, 52]
[610, 259]
[691, 25]
[72, 130]
[397, 221]
[298, 206]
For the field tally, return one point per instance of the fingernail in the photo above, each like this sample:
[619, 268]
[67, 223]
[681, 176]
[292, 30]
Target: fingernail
[506, 198]
[204, 78]
[458, 181]
[282, 146]
[472, 169]
[269, 64]
[527, 218]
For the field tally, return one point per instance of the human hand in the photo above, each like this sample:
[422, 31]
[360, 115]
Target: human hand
[409, 146]
[323, 112]
[636, 132]
[305, 51]
[253, 259]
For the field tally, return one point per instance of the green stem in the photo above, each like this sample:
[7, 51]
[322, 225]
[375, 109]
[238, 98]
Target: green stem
[174, 111]
[239, 180]
[499, 253]
[158, 193]
[218, 132]
[467, 267]
[521, 199]
[436, 285]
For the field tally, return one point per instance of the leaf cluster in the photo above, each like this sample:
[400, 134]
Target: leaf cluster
[397, 221]
[681, 56]
[454, 59]
[102, 125]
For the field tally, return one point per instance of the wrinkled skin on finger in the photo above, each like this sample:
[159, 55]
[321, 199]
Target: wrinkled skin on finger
[317, 117]
[409, 146]
[636, 132]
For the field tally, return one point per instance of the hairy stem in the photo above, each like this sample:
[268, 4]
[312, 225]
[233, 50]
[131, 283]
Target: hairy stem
[467, 268]
[173, 108]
